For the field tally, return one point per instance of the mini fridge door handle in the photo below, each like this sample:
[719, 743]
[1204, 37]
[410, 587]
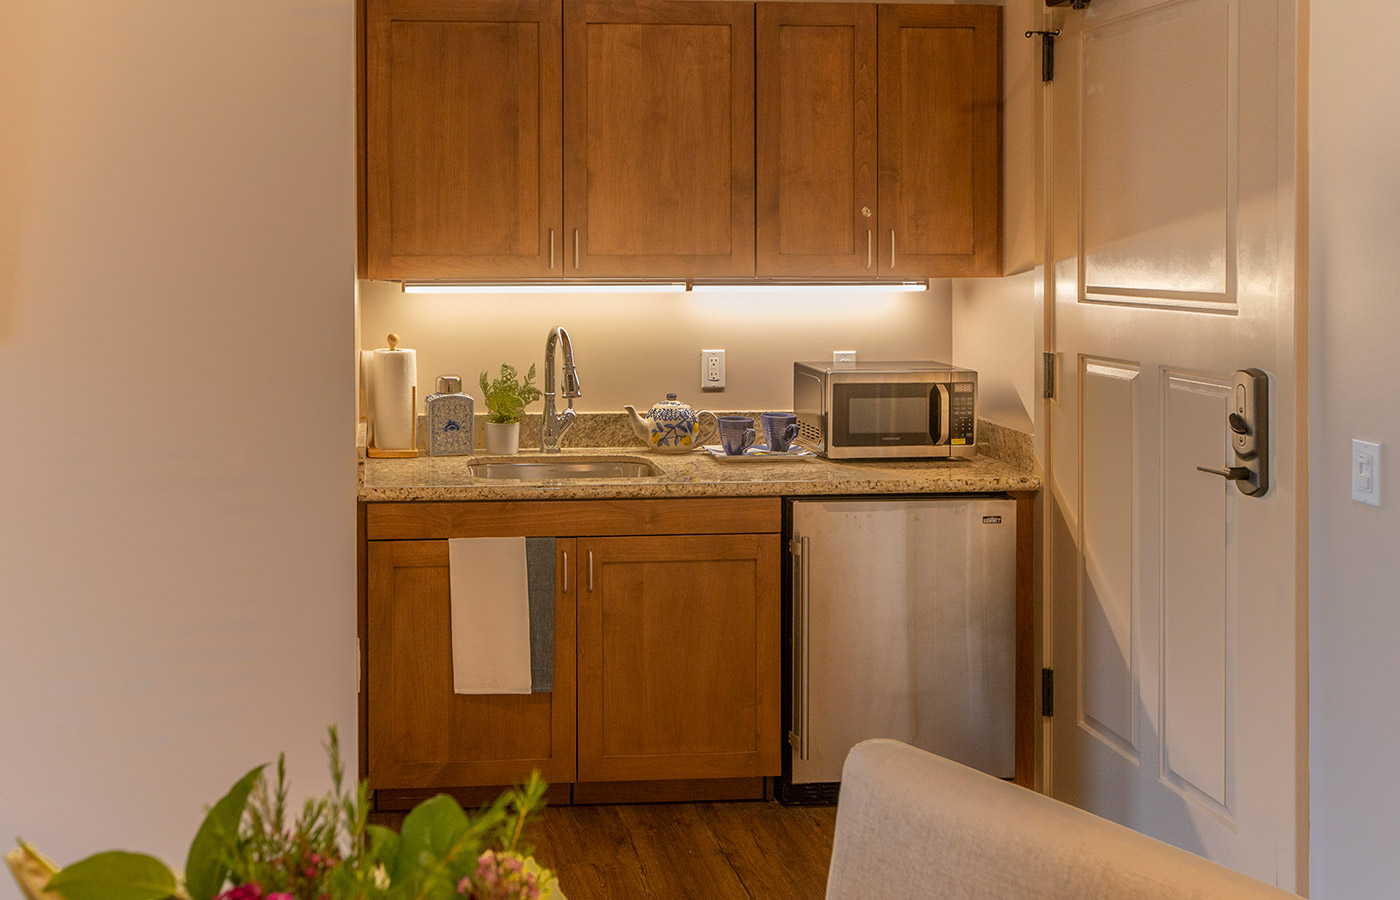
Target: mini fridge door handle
[801, 657]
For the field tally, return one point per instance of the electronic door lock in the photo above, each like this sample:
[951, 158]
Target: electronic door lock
[1249, 433]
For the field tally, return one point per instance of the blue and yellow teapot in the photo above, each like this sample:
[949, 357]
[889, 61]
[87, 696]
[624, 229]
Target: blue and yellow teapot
[670, 426]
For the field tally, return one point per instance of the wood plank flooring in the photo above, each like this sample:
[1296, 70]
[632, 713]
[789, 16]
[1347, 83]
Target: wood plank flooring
[687, 851]
[734, 850]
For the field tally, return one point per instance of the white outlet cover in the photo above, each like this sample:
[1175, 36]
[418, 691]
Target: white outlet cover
[1366, 472]
[711, 370]
[843, 356]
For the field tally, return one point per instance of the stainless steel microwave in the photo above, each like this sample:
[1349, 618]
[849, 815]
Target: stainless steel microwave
[865, 410]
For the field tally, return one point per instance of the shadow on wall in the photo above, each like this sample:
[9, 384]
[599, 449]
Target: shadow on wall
[19, 110]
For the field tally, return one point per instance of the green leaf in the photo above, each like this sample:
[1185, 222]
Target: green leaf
[383, 846]
[206, 869]
[114, 876]
[429, 831]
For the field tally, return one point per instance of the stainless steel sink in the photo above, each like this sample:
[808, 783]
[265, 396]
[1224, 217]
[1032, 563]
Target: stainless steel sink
[561, 469]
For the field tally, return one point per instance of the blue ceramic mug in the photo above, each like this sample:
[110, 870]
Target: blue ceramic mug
[735, 434]
[779, 430]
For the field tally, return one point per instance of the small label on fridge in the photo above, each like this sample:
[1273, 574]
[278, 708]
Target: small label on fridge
[991, 520]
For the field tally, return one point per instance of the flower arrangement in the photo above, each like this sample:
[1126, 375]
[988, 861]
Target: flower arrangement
[506, 397]
[251, 846]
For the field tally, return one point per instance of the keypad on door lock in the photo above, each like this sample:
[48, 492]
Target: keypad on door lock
[1249, 433]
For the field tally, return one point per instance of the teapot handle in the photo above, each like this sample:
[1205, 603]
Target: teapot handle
[698, 426]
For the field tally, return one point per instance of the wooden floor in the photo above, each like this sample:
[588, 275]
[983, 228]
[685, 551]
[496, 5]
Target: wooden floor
[687, 851]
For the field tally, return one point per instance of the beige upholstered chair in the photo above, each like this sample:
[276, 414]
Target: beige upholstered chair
[913, 825]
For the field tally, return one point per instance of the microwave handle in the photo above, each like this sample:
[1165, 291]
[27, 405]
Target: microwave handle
[940, 408]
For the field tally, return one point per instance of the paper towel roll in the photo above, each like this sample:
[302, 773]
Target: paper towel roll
[393, 379]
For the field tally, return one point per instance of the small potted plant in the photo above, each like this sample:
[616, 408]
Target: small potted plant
[506, 399]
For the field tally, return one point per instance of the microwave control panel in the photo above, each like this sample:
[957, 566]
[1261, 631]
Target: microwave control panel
[962, 417]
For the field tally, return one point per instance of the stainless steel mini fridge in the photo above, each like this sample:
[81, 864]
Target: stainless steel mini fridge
[902, 626]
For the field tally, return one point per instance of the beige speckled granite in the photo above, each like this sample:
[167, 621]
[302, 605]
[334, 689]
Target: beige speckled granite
[687, 475]
[1006, 444]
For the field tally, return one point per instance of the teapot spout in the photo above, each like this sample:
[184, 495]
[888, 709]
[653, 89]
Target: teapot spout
[640, 424]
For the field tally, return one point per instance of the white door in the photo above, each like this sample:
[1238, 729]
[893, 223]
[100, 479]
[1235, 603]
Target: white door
[1173, 607]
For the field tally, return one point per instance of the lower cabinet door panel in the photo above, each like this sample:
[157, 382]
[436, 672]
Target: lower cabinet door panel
[420, 733]
[678, 657]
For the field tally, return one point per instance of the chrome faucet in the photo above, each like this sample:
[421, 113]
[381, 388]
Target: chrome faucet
[554, 425]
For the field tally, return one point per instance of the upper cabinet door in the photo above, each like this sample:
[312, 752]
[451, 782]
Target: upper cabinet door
[940, 140]
[658, 167]
[464, 123]
[816, 139]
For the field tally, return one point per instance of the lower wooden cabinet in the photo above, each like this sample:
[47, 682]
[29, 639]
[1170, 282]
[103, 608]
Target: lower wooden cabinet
[420, 733]
[678, 657]
[666, 650]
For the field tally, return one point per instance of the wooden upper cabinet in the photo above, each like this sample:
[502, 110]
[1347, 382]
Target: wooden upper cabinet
[816, 139]
[939, 140]
[658, 121]
[463, 150]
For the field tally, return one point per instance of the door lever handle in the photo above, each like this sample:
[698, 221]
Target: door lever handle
[1233, 473]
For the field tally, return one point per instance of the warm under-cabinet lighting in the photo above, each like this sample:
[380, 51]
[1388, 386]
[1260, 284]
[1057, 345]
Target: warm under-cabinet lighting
[879, 287]
[625, 287]
[652, 287]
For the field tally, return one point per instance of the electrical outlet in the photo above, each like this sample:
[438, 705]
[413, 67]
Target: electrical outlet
[711, 370]
[843, 356]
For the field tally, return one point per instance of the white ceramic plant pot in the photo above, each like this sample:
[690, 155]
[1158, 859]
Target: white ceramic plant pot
[502, 438]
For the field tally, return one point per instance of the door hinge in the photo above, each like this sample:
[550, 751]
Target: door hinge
[1048, 390]
[1047, 692]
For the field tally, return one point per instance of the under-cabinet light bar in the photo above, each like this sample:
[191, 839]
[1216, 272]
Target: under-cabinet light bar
[882, 287]
[626, 287]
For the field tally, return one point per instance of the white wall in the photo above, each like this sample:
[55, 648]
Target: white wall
[1355, 302]
[176, 393]
[636, 348]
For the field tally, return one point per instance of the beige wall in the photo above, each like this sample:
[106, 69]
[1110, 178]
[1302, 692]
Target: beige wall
[994, 320]
[176, 454]
[1355, 606]
[636, 348]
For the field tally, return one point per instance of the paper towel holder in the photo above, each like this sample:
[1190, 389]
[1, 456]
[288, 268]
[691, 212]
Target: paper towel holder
[375, 452]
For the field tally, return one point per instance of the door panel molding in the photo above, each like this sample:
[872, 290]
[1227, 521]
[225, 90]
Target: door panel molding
[1176, 204]
[1108, 682]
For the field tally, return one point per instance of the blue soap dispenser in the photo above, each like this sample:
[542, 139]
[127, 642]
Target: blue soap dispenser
[449, 419]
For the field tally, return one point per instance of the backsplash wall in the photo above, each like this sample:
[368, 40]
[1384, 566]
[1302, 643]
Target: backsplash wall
[635, 348]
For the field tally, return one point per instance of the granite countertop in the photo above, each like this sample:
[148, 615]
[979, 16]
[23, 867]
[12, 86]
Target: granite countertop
[697, 474]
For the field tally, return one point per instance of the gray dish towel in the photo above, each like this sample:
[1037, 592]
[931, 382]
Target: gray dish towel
[539, 568]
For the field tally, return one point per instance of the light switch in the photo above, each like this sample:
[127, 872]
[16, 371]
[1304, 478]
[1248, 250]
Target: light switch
[1366, 472]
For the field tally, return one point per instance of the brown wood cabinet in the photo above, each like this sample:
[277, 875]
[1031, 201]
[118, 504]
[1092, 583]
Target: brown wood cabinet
[463, 144]
[420, 733]
[678, 657]
[939, 140]
[936, 70]
[816, 139]
[526, 139]
[658, 137]
[666, 616]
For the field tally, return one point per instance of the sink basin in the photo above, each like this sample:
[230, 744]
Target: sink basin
[560, 469]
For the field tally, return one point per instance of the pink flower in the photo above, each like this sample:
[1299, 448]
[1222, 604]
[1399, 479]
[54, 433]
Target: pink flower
[464, 885]
[280, 896]
[251, 891]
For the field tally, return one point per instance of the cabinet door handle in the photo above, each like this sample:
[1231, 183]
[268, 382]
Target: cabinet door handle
[891, 248]
[566, 571]
[575, 248]
[551, 266]
[590, 571]
[869, 248]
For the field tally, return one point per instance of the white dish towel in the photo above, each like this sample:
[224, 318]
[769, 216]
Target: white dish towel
[490, 615]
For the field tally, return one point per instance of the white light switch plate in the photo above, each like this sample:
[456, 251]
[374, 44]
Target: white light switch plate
[711, 370]
[1366, 472]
